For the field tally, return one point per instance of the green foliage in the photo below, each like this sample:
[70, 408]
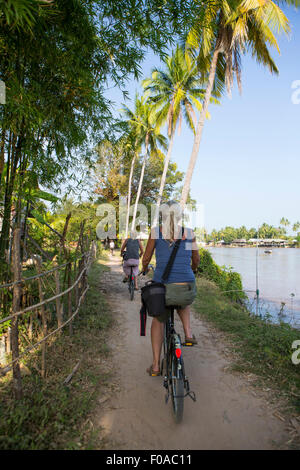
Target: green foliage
[228, 281]
[56, 60]
[229, 234]
[81, 211]
[175, 92]
[153, 172]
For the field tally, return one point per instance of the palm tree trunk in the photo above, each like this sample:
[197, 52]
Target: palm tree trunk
[129, 194]
[198, 135]
[140, 184]
[163, 179]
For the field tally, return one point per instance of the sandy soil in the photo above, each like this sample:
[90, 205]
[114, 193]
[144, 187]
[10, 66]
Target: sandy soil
[228, 414]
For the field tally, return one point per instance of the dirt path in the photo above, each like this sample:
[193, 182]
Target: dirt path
[228, 414]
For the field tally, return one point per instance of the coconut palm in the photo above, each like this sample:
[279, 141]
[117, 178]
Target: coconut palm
[132, 148]
[174, 93]
[285, 222]
[233, 28]
[147, 131]
[296, 227]
[134, 140]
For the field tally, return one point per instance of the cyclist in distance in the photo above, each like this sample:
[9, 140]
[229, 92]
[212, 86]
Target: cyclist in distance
[161, 240]
[112, 247]
[134, 249]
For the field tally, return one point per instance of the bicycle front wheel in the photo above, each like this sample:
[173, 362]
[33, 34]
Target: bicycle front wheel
[177, 384]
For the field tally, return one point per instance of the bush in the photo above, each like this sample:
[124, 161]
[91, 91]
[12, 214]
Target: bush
[229, 282]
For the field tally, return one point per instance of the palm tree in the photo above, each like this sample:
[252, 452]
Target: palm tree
[285, 222]
[233, 28]
[296, 227]
[174, 92]
[132, 148]
[146, 131]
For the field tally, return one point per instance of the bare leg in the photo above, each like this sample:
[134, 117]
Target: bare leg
[135, 282]
[157, 332]
[184, 315]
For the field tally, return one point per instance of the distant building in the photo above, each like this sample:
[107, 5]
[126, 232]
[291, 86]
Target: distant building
[275, 242]
[240, 242]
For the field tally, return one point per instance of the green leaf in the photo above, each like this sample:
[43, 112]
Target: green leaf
[38, 193]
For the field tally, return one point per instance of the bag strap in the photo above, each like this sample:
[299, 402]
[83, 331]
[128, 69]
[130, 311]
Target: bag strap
[169, 266]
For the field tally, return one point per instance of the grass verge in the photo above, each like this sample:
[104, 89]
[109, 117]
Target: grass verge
[52, 415]
[260, 347]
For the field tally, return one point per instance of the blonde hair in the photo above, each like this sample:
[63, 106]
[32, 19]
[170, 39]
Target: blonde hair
[171, 218]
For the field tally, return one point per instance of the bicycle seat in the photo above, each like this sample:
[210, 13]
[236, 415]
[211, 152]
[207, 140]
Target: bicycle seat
[173, 307]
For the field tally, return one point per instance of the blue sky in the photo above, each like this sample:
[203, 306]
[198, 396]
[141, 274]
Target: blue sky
[248, 166]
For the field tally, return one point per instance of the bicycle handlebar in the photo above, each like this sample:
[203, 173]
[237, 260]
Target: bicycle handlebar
[145, 272]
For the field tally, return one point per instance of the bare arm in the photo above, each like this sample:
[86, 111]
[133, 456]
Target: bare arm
[141, 248]
[148, 252]
[123, 246]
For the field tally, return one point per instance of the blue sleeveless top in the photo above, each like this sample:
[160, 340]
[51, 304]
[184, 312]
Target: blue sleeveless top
[181, 270]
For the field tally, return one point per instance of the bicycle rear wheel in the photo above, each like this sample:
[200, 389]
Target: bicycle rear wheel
[177, 386]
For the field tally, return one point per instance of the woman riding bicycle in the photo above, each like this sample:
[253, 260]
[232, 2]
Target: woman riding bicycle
[134, 249]
[162, 240]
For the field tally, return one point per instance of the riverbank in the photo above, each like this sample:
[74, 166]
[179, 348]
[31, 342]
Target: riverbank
[276, 276]
[259, 348]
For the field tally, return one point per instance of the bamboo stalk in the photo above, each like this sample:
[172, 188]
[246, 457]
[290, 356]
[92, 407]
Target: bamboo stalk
[17, 293]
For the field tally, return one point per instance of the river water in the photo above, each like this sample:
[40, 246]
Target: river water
[278, 278]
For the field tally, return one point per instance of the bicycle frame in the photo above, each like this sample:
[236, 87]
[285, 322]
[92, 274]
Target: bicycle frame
[131, 283]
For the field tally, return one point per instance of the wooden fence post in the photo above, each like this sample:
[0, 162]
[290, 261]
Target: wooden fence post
[17, 294]
[38, 264]
[3, 359]
[94, 249]
[76, 273]
[70, 297]
[57, 301]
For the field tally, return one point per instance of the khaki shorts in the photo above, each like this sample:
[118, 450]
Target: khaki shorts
[182, 295]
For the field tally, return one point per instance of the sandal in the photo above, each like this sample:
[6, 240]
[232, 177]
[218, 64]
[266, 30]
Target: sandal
[190, 341]
[152, 372]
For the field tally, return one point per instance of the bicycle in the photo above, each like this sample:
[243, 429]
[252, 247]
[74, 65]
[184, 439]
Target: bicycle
[172, 369]
[130, 280]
